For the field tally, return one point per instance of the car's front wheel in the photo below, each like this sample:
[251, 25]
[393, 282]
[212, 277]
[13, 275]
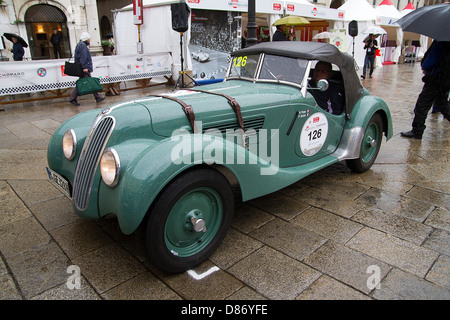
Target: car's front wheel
[370, 146]
[189, 220]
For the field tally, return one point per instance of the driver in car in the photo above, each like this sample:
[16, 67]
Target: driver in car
[332, 99]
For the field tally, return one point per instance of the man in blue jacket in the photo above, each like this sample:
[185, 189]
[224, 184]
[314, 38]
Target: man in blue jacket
[83, 56]
[17, 50]
[435, 66]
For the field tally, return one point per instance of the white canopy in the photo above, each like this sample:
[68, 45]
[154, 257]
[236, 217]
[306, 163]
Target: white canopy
[359, 10]
[299, 2]
[386, 9]
[409, 7]
[157, 35]
[152, 3]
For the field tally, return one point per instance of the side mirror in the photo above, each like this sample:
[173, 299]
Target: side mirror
[322, 85]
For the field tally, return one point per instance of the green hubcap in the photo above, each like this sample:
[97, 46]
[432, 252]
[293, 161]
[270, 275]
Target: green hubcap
[369, 146]
[193, 222]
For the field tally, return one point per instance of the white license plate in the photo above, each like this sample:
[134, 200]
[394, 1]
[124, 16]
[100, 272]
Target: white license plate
[59, 181]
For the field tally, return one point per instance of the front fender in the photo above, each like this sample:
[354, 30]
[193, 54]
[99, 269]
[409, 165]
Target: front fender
[156, 166]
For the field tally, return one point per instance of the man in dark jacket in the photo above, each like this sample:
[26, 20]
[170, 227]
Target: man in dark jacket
[332, 99]
[435, 66]
[83, 56]
[56, 42]
[280, 34]
[17, 50]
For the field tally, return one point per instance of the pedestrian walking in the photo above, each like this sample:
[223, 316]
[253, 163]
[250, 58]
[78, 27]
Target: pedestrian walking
[56, 42]
[83, 56]
[371, 46]
[436, 69]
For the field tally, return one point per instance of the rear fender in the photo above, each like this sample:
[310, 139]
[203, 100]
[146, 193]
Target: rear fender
[366, 107]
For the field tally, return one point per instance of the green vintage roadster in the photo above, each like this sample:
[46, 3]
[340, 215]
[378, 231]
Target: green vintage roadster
[174, 163]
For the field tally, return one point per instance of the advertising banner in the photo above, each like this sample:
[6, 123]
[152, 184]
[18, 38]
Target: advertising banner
[311, 11]
[262, 6]
[225, 5]
[43, 75]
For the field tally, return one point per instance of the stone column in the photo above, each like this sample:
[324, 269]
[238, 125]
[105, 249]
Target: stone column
[93, 27]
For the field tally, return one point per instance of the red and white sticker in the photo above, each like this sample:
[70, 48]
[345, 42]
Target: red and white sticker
[314, 134]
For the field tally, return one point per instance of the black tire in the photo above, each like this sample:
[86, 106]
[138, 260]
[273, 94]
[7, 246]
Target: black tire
[370, 146]
[173, 245]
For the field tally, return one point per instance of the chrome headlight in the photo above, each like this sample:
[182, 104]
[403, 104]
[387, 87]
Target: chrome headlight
[69, 144]
[110, 167]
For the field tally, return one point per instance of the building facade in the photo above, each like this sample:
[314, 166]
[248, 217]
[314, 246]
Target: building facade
[35, 20]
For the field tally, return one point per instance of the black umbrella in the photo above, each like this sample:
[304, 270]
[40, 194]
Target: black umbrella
[9, 36]
[432, 21]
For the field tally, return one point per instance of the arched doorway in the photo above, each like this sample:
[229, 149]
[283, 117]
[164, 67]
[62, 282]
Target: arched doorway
[105, 27]
[40, 21]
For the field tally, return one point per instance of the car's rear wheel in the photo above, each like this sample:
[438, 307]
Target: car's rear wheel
[189, 220]
[370, 146]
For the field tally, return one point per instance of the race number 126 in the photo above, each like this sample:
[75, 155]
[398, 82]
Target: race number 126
[240, 61]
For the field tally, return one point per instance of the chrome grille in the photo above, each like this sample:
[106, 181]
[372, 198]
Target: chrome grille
[89, 158]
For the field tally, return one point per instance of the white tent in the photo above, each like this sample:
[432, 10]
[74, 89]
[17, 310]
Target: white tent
[409, 8]
[387, 15]
[359, 10]
[156, 33]
[362, 12]
[386, 9]
[423, 39]
[306, 2]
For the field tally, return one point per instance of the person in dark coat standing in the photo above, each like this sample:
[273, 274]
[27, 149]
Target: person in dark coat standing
[83, 56]
[56, 42]
[280, 34]
[17, 50]
[436, 69]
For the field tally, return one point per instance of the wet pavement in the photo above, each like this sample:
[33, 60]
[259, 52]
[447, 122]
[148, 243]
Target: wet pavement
[332, 235]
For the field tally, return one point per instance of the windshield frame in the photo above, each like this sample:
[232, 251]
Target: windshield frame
[256, 78]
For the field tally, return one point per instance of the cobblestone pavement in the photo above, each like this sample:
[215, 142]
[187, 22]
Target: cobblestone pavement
[329, 236]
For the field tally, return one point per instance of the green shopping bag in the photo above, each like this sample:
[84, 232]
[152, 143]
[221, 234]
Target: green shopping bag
[88, 85]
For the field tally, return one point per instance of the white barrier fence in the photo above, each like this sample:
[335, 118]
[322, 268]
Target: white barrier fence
[42, 75]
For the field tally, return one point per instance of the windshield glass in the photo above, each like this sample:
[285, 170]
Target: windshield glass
[244, 66]
[283, 69]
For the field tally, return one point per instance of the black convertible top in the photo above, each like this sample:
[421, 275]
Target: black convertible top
[316, 51]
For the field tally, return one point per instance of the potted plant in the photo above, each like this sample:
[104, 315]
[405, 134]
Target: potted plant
[108, 47]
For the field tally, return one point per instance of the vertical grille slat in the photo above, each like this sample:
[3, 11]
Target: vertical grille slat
[88, 161]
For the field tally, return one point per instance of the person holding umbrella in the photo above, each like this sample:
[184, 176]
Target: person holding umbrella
[18, 45]
[280, 34]
[370, 45]
[17, 50]
[283, 23]
[83, 56]
[436, 69]
[431, 21]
